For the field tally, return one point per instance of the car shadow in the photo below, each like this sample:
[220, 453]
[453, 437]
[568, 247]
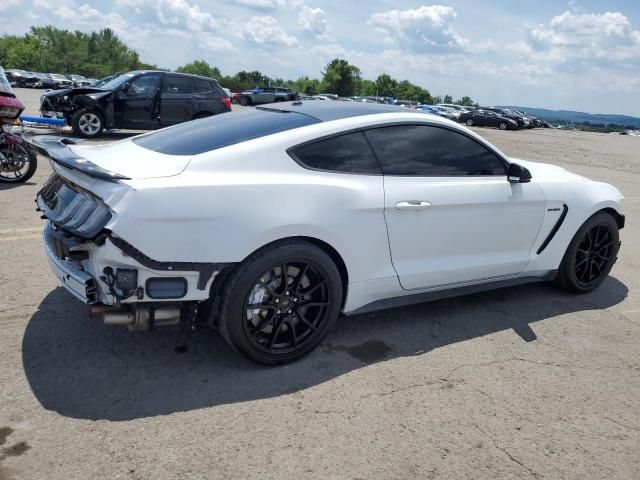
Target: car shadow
[80, 368]
[12, 185]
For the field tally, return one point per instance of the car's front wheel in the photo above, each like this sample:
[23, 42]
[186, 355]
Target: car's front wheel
[469, 122]
[590, 255]
[503, 125]
[87, 123]
[280, 303]
[245, 101]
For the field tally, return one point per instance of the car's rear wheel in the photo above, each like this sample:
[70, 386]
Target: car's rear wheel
[245, 101]
[469, 122]
[280, 302]
[87, 123]
[503, 125]
[590, 255]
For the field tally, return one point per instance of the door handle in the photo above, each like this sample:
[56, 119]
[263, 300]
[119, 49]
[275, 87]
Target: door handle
[412, 205]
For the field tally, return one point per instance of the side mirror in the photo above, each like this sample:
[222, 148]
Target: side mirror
[518, 174]
[125, 87]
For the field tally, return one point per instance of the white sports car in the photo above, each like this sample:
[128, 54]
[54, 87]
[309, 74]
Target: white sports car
[271, 222]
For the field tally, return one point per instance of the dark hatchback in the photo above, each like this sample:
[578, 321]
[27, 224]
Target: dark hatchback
[139, 100]
[487, 118]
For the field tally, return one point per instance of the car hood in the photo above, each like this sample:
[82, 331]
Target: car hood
[548, 172]
[90, 91]
[130, 160]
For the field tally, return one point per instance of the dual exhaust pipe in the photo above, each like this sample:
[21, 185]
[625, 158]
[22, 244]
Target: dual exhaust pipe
[138, 317]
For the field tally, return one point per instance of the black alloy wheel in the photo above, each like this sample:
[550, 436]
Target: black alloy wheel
[286, 307]
[279, 303]
[594, 254]
[469, 122]
[503, 125]
[590, 255]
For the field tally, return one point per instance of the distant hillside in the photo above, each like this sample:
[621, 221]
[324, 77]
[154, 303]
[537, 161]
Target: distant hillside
[567, 116]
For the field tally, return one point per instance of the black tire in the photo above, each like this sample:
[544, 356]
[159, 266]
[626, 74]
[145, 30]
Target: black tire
[87, 123]
[469, 122]
[590, 255]
[503, 126]
[22, 175]
[254, 331]
[245, 101]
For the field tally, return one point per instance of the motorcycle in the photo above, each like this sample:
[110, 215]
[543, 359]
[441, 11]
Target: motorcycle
[17, 162]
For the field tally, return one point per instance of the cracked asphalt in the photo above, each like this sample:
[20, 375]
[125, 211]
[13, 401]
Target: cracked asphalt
[524, 382]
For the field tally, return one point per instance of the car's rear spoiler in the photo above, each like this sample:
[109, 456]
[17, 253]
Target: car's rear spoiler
[57, 149]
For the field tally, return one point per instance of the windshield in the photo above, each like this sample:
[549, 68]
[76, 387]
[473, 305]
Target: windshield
[5, 88]
[57, 76]
[117, 82]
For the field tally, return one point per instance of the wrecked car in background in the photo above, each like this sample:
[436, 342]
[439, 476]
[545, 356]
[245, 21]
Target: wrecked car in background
[139, 100]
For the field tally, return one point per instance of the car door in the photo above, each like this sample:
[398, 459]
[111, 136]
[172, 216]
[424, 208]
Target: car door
[136, 105]
[452, 215]
[176, 99]
[480, 118]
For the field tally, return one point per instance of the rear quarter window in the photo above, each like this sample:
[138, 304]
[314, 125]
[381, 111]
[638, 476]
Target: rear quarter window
[349, 153]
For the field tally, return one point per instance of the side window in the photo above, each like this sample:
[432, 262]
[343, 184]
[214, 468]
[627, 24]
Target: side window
[203, 85]
[145, 84]
[177, 84]
[427, 151]
[348, 153]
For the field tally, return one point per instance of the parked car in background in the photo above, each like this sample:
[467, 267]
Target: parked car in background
[235, 97]
[78, 80]
[103, 80]
[45, 81]
[523, 122]
[61, 80]
[458, 108]
[487, 118]
[227, 91]
[92, 81]
[21, 78]
[260, 95]
[446, 112]
[139, 100]
[406, 103]
[271, 222]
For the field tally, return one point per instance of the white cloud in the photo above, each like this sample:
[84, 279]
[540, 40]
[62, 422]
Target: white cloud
[426, 28]
[587, 37]
[265, 30]
[313, 20]
[82, 17]
[181, 13]
[261, 4]
[6, 4]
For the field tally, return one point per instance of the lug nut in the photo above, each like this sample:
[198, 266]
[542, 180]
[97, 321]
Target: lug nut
[287, 292]
[277, 300]
[289, 311]
[295, 300]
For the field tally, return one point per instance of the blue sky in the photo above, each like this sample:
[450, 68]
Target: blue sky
[579, 55]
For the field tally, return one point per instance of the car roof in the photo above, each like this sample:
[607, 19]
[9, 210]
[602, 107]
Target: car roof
[334, 110]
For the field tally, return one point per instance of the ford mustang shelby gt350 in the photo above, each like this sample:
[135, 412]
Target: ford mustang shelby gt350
[271, 222]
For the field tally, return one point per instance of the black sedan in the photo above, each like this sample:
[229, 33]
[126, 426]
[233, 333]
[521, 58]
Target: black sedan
[487, 118]
[139, 100]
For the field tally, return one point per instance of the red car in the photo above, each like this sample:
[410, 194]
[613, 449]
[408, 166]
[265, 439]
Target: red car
[235, 97]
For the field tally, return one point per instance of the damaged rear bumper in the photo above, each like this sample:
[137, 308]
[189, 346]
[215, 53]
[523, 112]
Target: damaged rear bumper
[101, 272]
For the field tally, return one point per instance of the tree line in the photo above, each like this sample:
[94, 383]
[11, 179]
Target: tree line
[339, 77]
[98, 54]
